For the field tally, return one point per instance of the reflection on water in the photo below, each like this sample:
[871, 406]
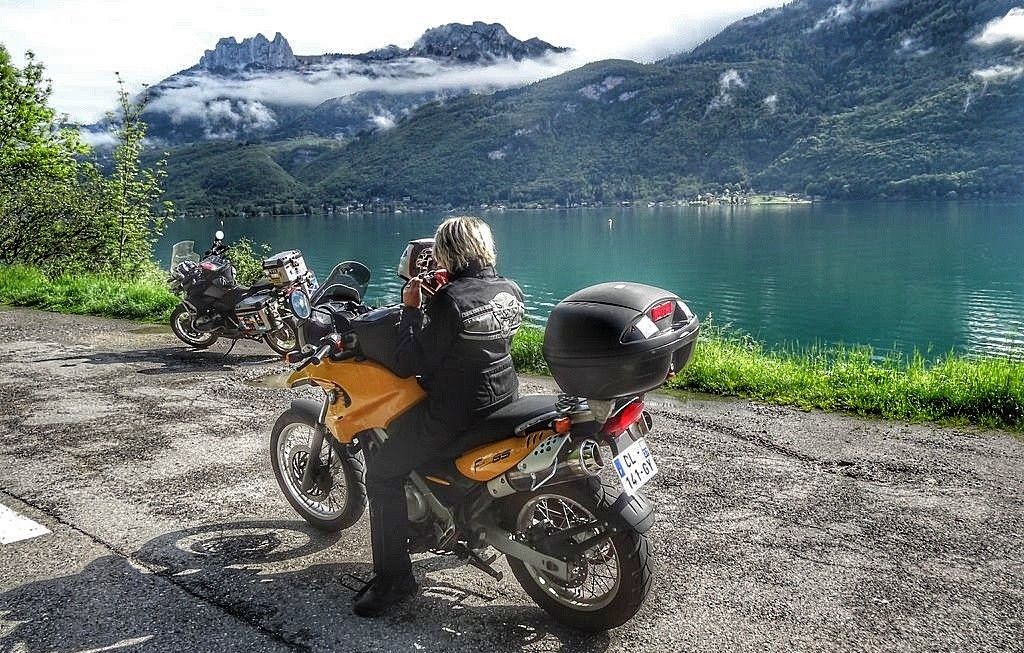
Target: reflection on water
[931, 275]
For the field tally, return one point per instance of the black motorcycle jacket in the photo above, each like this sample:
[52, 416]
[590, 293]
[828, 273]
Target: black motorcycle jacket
[459, 345]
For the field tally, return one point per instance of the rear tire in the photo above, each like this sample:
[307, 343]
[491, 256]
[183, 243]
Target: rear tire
[338, 499]
[181, 325]
[628, 550]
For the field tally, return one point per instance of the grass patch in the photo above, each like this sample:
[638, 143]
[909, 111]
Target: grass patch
[526, 351]
[145, 298]
[951, 390]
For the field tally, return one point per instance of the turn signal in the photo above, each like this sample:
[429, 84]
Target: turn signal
[563, 425]
[622, 420]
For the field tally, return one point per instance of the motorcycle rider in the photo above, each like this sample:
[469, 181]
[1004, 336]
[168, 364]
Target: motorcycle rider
[459, 347]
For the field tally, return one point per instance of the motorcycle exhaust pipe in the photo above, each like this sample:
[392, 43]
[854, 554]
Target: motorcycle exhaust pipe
[583, 460]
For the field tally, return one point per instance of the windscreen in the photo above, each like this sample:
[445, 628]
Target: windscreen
[183, 251]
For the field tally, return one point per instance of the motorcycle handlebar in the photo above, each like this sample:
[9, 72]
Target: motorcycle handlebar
[328, 346]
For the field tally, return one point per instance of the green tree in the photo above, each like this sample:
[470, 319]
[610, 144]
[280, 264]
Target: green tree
[58, 212]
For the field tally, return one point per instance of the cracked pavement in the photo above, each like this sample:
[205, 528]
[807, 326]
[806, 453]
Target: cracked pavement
[777, 529]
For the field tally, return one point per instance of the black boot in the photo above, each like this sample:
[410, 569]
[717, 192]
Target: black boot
[384, 592]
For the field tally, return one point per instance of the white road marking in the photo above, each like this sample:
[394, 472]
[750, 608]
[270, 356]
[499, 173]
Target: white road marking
[14, 527]
[124, 643]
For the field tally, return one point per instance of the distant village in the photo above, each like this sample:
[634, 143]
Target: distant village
[409, 205]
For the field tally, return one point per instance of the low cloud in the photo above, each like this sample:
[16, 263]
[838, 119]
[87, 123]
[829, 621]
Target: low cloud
[771, 103]
[849, 10]
[99, 140]
[728, 83]
[597, 91]
[383, 122]
[246, 101]
[1009, 28]
[998, 73]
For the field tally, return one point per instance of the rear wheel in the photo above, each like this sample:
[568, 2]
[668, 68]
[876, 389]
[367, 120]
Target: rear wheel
[609, 582]
[182, 324]
[338, 496]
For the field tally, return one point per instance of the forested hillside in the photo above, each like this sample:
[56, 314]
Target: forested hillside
[855, 99]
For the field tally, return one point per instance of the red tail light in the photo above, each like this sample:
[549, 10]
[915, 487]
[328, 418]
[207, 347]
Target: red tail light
[663, 309]
[622, 420]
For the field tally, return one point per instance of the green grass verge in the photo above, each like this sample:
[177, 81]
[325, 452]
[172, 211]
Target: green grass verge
[145, 298]
[953, 389]
[950, 390]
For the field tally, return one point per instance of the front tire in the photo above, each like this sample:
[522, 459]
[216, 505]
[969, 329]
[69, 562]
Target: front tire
[338, 498]
[283, 340]
[182, 326]
[612, 579]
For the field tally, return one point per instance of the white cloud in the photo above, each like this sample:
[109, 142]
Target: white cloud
[97, 139]
[771, 103]
[728, 82]
[1008, 28]
[384, 122]
[243, 101]
[998, 73]
[82, 43]
[848, 10]
[596, 91]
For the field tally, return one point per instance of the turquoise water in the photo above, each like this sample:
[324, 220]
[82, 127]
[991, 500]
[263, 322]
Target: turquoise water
[898, 276]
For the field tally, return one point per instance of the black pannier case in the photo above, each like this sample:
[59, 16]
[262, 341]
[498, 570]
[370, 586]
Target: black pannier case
[618, 339]
[378, 334]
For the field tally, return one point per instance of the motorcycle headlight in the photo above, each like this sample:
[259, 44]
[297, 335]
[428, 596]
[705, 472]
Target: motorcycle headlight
[299, 303]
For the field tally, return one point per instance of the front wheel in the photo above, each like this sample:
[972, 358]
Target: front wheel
[182, 324]
[609, 582]
[338, 496]
[283, 340]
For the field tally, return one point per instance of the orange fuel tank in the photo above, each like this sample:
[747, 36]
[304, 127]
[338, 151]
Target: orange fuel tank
[376, 395]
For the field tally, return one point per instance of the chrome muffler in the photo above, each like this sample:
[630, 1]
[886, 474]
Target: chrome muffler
[582, 461]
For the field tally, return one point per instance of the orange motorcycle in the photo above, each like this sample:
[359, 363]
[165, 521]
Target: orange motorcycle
[531, 479]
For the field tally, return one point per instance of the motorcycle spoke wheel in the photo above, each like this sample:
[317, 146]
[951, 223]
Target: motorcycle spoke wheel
[595, 575]
[327, 499]
[183, 326]
[283, 340]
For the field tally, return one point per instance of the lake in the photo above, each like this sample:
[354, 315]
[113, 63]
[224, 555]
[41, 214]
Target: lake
[898, 276]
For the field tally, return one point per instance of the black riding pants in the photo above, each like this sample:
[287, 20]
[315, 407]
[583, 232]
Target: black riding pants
[414, 438]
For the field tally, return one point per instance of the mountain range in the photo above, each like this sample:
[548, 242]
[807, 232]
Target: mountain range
[839, 98]
[259, 89]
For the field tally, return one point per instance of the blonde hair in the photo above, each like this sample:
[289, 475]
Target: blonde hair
[462, 240]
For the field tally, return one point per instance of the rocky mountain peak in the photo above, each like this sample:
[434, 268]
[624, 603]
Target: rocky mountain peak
[479, 41]
[256, 52]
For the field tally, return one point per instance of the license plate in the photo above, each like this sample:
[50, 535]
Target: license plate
[635, 466]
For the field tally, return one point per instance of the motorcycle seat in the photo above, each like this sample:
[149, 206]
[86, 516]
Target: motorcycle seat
[506, 421]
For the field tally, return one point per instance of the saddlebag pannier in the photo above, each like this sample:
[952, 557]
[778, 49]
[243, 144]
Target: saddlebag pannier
[285, 268]
[618, 339]
[256, 313]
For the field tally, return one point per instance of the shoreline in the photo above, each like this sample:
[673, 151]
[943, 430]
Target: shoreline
[953, 390]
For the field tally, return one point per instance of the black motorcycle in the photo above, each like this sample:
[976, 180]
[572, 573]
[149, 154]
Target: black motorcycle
[214, 305]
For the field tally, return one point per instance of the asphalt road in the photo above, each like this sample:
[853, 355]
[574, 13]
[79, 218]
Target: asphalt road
[778, 529]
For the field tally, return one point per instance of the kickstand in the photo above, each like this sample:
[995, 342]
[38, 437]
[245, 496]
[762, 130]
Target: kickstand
[234, 341]
[360, 585]
[473, 558]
